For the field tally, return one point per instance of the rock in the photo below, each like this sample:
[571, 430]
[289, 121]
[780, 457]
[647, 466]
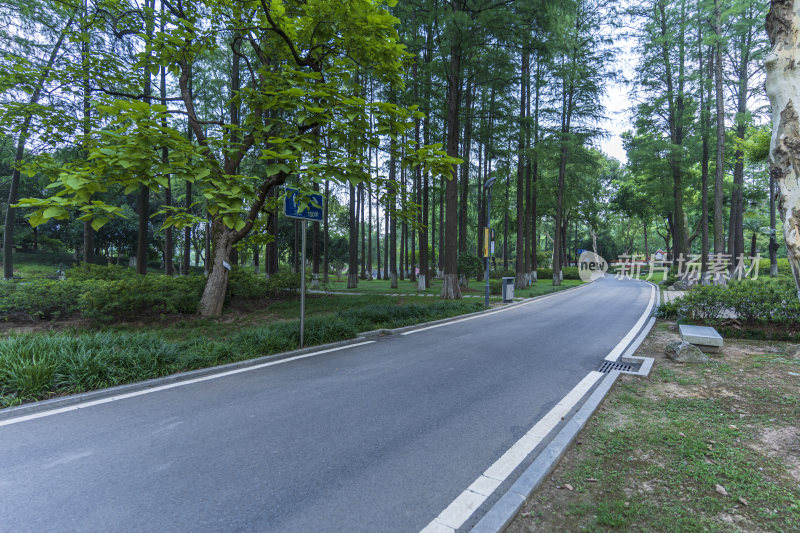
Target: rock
[683, 352]
[743, 501]
[568, 486]
[681, 285]
[721, 490]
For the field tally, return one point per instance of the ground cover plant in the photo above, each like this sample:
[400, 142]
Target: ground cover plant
[710, 447]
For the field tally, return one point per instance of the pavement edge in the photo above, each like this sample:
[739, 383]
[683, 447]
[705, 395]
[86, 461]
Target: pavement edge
[506, 508]
[503, 512]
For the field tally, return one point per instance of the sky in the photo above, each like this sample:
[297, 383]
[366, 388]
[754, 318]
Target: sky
[617, 101]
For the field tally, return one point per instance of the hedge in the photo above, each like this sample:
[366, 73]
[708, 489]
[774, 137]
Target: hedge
[113, 292]
[761, 301]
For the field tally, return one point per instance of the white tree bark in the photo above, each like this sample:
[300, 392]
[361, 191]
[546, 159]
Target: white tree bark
[783, 90]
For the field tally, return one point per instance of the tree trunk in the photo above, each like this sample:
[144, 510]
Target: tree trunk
[362, 227]
[369, 235]
[187, 231]
[388, 231]
[534, 214]
[705, 118]
[88, 231]
[392, 204]
[169, 244]
[13, 191]
[528, 234]
[379, 265]
[773, 241]
[719, 246]
[465, 153]
[520, 279]
[783, 90]
[450, 288]
[213, 298]
[352, 268]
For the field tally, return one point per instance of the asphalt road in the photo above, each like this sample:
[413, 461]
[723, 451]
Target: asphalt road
[373, 438]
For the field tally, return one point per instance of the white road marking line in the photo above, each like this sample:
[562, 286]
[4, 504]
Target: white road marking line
[43, 414]
[486, 314]
[459, 511]
[620, 347]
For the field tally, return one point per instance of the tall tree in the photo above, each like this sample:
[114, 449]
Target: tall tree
[783, 89]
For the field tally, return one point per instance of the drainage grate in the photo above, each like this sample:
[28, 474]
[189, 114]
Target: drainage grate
[608, 366]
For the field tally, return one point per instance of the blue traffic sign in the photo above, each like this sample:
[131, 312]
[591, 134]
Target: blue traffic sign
[311, 211]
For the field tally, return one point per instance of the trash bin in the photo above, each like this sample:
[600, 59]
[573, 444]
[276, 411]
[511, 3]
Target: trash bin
[508, 289]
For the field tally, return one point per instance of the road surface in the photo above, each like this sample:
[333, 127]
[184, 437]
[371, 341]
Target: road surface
[376, 437]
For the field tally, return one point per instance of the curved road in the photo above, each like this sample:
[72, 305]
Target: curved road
[376, 437]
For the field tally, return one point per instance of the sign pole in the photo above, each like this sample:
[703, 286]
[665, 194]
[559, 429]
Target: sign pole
[303, 287]
[488, 246]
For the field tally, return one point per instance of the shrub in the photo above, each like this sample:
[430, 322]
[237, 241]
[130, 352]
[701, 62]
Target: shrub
[85, 271]
[284, 282]
[245, 285]
[470, 266]
[499, 274]
[140, 295]
[40, 299]
[668, 309]
[570, 273]
[765, 301]
[784, 270]
[496, 286]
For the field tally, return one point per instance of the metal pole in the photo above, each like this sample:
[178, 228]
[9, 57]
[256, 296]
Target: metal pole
[303, 287]
[488, 245]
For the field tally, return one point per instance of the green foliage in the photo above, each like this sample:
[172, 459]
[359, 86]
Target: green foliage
[470, 266]
[134, 297]
[784, 270]
[86, 271]
[568, 272]
[284, 283]
[40, 299]
[243, 284]
[499, 274]
[762, 301]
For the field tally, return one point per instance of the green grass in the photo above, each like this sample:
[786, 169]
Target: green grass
[380, 286]
[651, 457]
[546, 287]
[476, 288]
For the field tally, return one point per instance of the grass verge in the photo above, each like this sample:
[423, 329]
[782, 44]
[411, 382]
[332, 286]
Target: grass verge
[36, 366]
[653, 456]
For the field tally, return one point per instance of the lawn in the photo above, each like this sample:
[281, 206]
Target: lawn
[710, 447]
[476, 288]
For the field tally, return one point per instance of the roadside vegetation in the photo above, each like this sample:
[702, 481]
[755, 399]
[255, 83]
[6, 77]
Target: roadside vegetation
[763, 308]
[103, 326]
[709, 447]
[35, 366]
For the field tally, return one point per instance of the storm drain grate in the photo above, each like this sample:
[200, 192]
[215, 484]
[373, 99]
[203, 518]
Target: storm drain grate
[608, 366]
